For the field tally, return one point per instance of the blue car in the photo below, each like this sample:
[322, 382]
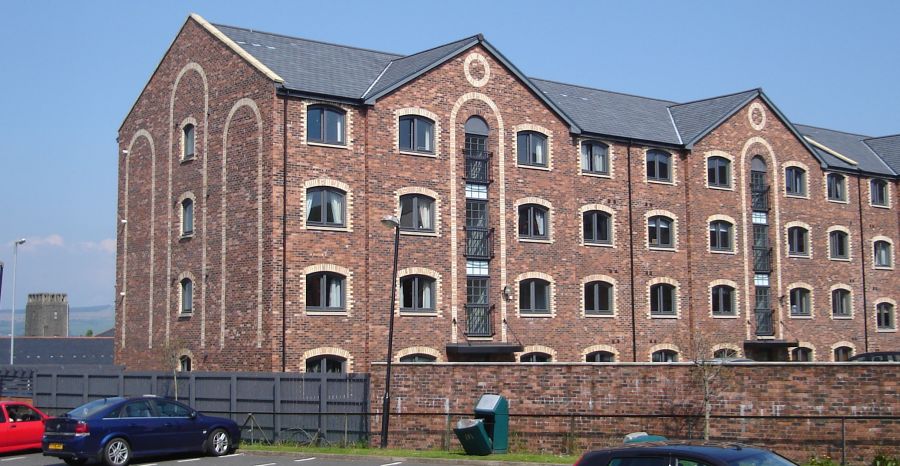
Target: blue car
[115, 430]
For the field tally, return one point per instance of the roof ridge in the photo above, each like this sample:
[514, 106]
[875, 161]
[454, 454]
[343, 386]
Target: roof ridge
[758, 89]
[437, 47]
[876, 137]
[835, 130]
[397, 55]
[603, 90]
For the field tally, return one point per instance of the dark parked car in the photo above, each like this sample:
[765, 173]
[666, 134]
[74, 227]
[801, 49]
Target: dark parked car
[880, 356]
[683, 454]
[115, 430]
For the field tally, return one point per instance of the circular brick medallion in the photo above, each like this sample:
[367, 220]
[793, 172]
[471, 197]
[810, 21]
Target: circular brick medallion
[757, 116]
[477, 70]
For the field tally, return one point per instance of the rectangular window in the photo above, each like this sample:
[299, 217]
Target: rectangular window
[761, 279]
[476, 191]
[474, 267]
[760, 218]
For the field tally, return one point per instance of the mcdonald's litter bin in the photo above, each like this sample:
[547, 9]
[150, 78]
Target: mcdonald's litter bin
[489, 431]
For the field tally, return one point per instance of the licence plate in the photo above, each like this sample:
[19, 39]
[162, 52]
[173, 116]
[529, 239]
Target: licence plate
[55, 446]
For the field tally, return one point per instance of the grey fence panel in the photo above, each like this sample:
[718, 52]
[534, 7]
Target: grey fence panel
[283, 405]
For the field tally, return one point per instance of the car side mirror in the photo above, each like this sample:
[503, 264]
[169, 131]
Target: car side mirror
[193, 415]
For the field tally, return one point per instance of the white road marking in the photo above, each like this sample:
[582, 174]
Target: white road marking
[304, 459]
[266, 464]
[188, 460]
[14, 458]
[151, 464]
[392, 464]
[228, 456]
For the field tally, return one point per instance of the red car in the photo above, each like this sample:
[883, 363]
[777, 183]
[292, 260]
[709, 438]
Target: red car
[22, 426]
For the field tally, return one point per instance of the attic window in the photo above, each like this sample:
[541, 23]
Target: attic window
[325, 125]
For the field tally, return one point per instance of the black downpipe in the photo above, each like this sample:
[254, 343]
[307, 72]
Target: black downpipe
[862, 255]
[284, 202]
[631, 257]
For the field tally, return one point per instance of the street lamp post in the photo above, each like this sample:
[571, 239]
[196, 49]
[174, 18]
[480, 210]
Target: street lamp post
[12, 313]
[392, 222]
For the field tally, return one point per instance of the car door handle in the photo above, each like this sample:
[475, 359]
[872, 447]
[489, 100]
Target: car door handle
[12, 426]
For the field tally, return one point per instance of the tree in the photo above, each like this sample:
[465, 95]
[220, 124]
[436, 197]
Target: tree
[89, 333]
[169, 357]
[707, 373]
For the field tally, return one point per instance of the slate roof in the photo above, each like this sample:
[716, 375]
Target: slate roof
[337, 71]
[694, 119]
[32, 351]
[613, 113]
[888, 147]
[849, 145]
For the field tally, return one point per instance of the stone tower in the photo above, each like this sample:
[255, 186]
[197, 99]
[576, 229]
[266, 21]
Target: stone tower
[47, 315]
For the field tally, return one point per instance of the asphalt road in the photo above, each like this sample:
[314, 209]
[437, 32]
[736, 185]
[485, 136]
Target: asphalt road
[238, 459]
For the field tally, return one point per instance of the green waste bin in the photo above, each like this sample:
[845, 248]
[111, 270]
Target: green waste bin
[494, 410]
[473, 437]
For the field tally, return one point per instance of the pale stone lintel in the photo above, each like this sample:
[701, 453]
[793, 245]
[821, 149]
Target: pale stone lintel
[236, 48]
[830, 150]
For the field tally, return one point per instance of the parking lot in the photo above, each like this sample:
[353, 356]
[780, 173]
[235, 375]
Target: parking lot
[238, 459]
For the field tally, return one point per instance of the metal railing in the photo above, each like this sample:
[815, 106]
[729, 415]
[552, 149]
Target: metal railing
[479, 243]
[478, 166]
[479, 322]
[759, 197]
[762, 259]
[765, 326]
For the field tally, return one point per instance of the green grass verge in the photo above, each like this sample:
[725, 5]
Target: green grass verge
[394, 452]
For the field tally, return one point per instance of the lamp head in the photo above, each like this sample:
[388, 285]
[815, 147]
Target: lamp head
[20, 241]
[390, 221]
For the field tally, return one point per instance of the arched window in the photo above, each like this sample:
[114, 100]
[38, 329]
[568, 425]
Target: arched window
[187, 217]
[840, 303]
[532, 148]
[534, 296]
[798, 241]
[416, 134]
[720, 235]
[184, 364]
[664, 356]
[328, 364]
[659, 166]
[187, 142]
[882, 253]
[659, 232]
[795, 181]
[418, 357]
[879, 192]
[535, 357]
[325, 291]
[416, 213]
[662, 300]
[843, 353]
[594, 158]
[723, 301]
[417, 293]
[837, 187]
[600, 356]
[533, 221]
[801, 354]
[885, 316]
[725, 353]
[477, 126]
[800, 302]
[597, 227]
[187, 296]
[325, 206]
[839, 244]
[325, 125]
[718, 172]
[598, 298]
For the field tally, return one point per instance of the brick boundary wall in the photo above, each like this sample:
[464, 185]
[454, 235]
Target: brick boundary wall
[561, 401]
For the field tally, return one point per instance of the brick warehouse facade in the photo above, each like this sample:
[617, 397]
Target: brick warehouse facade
[255, 170]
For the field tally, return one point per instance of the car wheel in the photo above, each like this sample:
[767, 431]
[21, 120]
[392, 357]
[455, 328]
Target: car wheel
[75, 461]
[117, 452]
[219, 443]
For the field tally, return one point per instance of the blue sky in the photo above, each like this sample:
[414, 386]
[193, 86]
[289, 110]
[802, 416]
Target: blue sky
[73, 69]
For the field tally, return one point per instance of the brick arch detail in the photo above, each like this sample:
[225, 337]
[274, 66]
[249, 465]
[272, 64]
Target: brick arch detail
[737, 349]
[890, 243]
[333, 268]
[439, 357]
[805, 168]
[843, 343]
[612, 218]
[809, 346]
[809, 241]
[732, 172]
[425, 192]
[669, 281]
[812, 298]
[537, 129]
[600, 347]
[141, 133]
[438, 288]
[423, 113]
[327, 351]
[664, 213]
[615, 288]
[182, 353]
[737, 297]
[538, 349]
[846, 287]
[181, 277]
[846, 231]
[663, 346]
[331, 183]
[610, 153]
[348, 123]
[542, 276]
[454, 242]
[251, 104]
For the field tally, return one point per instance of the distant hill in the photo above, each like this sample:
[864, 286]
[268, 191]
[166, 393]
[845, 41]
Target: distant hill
[81, 318]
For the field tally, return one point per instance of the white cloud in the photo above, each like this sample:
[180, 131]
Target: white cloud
[107, 245]
[40, 242]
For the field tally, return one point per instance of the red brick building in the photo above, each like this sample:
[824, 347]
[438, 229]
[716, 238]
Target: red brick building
[539, 220]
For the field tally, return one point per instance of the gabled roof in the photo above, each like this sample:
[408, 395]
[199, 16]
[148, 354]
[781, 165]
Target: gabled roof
[402, 70]
[888, 147]
[32, 351]
[696, 119]
[844, 151]
[612, 113]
